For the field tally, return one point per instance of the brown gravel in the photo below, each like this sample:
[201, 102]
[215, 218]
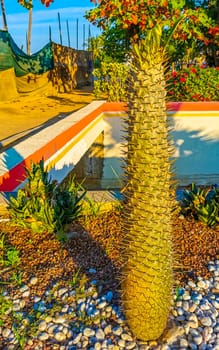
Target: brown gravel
[195, 245]
[94, 243]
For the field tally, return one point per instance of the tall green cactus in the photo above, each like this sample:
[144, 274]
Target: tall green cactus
[147, 275]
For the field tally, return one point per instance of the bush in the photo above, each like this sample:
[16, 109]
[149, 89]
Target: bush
[188, 84]
[109, 81]
[42, 204]
[193, 84]
[202, 204]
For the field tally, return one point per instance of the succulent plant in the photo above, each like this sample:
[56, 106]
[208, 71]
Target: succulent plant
[42, 204]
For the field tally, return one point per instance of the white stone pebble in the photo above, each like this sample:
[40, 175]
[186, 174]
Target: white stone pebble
[192, 308]
[43, 336]
[206, 321]
[122, 343]
[77, 339]
[51, 329]
[59, 319]
[100, 334]
[201, 284]
[131, 345]
[183, 343]
[97, 346]
[93, 321]
[88, 332]
[126, 337]
[33, 281]
[60, 336]
[6, 333]
[42, 326]
[197, 339]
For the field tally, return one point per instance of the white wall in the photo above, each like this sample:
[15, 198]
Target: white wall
[196, 141]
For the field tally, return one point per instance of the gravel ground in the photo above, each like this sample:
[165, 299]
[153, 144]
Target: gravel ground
[92, 251]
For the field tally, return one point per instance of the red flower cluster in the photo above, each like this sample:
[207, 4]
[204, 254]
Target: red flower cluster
[214, 30]
[46, 2]
[193, 84]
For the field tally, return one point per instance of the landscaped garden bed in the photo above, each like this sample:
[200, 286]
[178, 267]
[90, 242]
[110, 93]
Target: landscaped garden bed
[61, 293]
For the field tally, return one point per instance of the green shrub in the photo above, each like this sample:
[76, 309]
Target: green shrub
[188, 84]
[42, 204]
[193, 84]
[110, 81]
[202, 204]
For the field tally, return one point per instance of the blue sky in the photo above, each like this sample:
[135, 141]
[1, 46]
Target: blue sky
[69, 10]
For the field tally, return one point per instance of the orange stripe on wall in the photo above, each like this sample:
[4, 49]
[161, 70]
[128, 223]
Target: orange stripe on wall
[193, 106]
[114, 107]
[176, 106]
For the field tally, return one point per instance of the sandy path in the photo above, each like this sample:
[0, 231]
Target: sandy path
[19, 116]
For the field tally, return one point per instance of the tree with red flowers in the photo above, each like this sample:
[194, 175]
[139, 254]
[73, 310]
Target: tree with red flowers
[147, 277]
[192, 35]
[138, 16]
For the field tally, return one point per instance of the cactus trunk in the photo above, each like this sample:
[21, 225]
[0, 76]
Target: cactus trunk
[147, 274]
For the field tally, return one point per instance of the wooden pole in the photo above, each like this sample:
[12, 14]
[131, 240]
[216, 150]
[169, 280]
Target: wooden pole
[26, 43]
[89, 33]
[29, 31]
[77, 33]
[5, 27]
[89, 41]
[50, 34]
[69, 43]
[60, 29]
[83, 36]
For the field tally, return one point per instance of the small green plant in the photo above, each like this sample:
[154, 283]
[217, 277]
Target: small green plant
[91, 207]
[81, 286]
[17, 278]
[179, 292]
[12, 257]
[9, 255]
[202, 204]
[23, 328]
[5, 306]
[74, 282]
[42, 204]
[20, 336]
